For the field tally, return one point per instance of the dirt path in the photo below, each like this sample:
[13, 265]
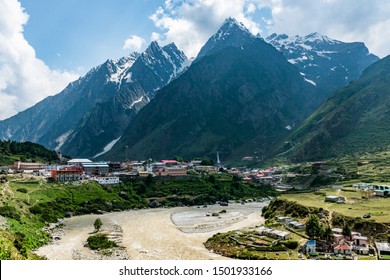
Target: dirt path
[7, 190]
[151, 234]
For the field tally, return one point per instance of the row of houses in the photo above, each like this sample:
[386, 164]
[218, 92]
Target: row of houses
[273, 233]
[376, 189]
[267, 175]
[290, 222]
[340, 244]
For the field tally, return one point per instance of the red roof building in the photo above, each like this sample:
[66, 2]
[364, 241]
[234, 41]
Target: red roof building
[66, 175]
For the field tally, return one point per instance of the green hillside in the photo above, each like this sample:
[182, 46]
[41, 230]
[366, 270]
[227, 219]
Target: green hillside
[355, 119]
[11, 151]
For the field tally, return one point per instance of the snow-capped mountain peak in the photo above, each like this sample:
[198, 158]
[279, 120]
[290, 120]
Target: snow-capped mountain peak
[231, 33]
[322, 59]
[119, 67]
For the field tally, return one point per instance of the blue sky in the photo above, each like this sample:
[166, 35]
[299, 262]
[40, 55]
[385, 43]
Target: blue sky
[45, 44]
[74, 34]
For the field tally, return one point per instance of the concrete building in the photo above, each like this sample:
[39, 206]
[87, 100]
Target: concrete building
[335, 199]
[176, 171]
[66, 175]
[79, 161]
[28, 166]
[274, 233]
[297, 225]
[311, 247]
[107, 180]
[383, 248]
[96, 168]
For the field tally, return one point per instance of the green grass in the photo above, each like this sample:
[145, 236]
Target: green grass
[251, 246]
[354, 207]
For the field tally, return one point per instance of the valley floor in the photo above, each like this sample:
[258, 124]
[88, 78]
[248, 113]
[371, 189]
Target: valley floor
[156, 234]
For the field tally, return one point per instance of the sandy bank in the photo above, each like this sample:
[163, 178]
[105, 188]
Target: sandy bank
[156, 234]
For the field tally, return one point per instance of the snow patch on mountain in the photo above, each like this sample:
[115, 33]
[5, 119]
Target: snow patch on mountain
[62, 139]
[108, 147]
[310, 82]
[119, 68]
[136, 101]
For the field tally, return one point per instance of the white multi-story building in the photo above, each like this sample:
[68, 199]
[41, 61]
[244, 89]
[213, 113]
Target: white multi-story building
[107, 180]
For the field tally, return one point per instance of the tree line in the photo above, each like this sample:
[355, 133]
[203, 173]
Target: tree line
[26, 150]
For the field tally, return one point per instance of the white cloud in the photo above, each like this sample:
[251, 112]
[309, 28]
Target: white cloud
[251, 8]
[24, 79]
[155, 36]
[190, 23]
[134, 43]
[346, 20]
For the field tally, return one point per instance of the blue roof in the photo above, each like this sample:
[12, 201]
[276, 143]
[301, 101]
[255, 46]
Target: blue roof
[310, 243]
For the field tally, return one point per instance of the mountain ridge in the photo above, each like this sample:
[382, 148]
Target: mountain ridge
[65, 121]
[218, 103]
[353, 120]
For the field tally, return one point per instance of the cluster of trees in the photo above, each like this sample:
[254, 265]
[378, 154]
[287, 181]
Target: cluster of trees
[27, 150]
[315, 229]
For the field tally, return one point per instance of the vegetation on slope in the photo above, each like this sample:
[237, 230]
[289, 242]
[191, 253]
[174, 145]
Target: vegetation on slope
[354, 120]
[11, 151]
[28, 205]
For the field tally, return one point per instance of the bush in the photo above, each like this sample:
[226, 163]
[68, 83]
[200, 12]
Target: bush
[100, 241]
[36, 209]
[9, 212]
[22, 190]
[291, 244]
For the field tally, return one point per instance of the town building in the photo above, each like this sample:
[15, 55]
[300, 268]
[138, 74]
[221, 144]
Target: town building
[360, 245]
[114, 166]
[176, 171]
[169, 162]
[335, 199]
[66, 175]
[337, 230]
[311, 247]
[383, 248]
[337, 237]
[28, 166]
[107, 180]
[143, 173]
[297, 225]
[342, 248]
[78, 161]
[96, 168]
[137, 166]
[284, 219]
[273, 233]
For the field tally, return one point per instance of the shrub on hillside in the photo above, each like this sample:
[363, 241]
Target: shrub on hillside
[22, 190]
[9, 212]
[100, 241]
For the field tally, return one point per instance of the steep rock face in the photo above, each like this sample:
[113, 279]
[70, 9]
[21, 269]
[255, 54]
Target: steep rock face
[237, 98]
[324, 62]
[93, 111]
[354, 119]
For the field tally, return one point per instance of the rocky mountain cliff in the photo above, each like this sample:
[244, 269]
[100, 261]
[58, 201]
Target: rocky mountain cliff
[326, 63]
[92, 112]
[240, 96]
